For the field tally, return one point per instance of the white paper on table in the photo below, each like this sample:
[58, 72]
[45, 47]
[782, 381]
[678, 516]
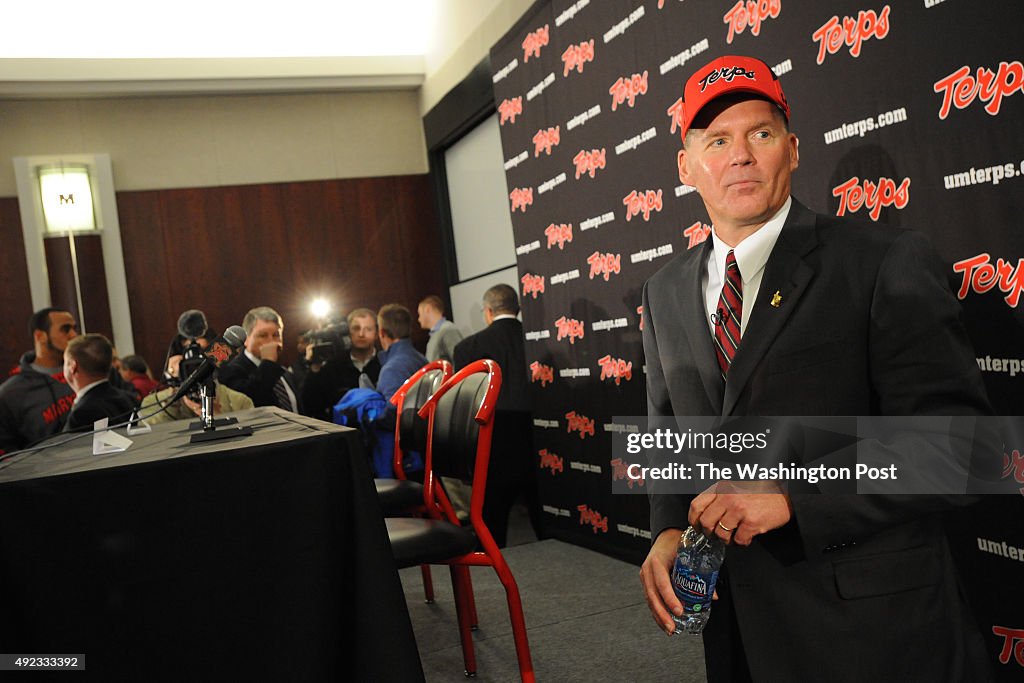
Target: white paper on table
[107, 441]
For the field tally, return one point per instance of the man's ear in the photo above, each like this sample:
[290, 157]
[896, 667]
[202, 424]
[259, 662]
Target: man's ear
[684, 176]
[39, 336]
[794, 160]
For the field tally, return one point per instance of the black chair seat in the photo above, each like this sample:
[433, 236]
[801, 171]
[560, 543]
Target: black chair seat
[425, 541]
[398, 496]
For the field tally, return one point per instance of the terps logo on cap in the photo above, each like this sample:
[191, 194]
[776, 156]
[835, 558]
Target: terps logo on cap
[551, 461]
[579, 423]
[750, 13]
[588, 162]
[534, 42]
[509, 109]
[873, 196]
[558, 234]
[727, 74]
[575, 56]
[615, 368]
[544, 140]
[532, 284]
[592, 517]
[521, 198]
[545, 374]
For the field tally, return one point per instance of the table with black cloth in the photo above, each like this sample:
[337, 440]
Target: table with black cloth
[254, 558]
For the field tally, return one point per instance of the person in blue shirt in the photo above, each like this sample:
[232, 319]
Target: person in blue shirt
[399, 359]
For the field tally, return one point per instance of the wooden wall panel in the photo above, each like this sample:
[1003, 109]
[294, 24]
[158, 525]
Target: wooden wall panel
[15, 295]
[360, 242]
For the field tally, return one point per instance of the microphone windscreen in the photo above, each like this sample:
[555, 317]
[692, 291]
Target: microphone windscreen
[192, 324]
[235, 336]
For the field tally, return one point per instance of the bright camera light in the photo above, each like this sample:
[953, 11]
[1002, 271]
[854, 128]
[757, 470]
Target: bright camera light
[320, 308]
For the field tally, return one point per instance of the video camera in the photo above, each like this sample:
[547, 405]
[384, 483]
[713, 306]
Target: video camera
[192, 357]
[329, 340]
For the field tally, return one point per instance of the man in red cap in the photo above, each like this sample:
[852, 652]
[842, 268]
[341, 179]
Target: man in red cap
[788, 312]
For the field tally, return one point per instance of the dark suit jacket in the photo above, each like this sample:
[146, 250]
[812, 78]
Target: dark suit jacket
[241, 374]
[322, 390]
[502, 342]
[856, 587]
[104, 400]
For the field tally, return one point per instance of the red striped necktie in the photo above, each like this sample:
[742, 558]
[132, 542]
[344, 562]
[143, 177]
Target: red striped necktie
[729, 314]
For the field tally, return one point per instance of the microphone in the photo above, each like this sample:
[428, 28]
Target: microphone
[192, 324]
[721, 318]
[218, 353]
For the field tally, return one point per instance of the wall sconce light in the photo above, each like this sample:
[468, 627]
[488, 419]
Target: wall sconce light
[67, 198]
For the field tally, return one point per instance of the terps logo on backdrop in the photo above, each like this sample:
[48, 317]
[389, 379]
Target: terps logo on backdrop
[544, 140]
[551, 461]
[521, 198]
[750, 13]
[558, 233]
[640, 312]
[979, 276]
[1013, 467]
[593, 518]
[569, 328]
[575, 56]
[697, 234]
[675, 112]
[833, 34]
[545, 374]
[589, 162]
[532, 284]
[509, 109]
[642, 202]
[960, 88]
[579, 423]
[873, 196]
[604, 265]
[534, 42]
[615, 368]
[627, 89]
[619, 471]
[1010, 636]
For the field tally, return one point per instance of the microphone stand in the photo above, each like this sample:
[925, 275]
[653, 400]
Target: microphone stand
[206, 422]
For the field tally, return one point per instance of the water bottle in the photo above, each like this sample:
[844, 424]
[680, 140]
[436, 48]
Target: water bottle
[694, 574]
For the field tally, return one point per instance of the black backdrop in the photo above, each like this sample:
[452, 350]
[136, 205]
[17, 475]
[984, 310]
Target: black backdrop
[908, 113]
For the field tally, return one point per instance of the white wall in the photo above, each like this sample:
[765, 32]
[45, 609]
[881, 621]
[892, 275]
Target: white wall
[205, 141]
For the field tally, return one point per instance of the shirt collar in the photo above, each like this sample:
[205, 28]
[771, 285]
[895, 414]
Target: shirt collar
[256, 361]
[437, 327]
[87, 388]
[503, 316]
[753, 252]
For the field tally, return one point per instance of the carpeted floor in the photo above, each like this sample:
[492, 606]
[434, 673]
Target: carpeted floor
[585, 615]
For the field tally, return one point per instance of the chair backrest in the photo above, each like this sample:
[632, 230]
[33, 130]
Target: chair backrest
[460, 421]
[410, 428]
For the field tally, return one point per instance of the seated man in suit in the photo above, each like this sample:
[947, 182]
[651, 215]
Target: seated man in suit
[512, 471]
[784, 312]
[87, 362]
[257, 372]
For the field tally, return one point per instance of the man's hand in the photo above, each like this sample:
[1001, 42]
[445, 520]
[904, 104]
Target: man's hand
[270, 351]
[654, 575]
[738, 511]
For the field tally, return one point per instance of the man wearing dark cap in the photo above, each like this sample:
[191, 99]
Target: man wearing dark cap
[788, 312]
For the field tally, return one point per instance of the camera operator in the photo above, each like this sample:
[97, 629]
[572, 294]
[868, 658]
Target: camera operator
[356, 365]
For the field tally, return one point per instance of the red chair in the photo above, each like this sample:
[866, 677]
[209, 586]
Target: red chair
[401, 496]
[460, 418]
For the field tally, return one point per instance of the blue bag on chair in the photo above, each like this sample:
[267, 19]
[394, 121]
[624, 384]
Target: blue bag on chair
[363, 409]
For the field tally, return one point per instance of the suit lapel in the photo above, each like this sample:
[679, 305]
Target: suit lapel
[785, 273]
[693, 321]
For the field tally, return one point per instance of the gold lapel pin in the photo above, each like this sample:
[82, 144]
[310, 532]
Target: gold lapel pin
[776, 299]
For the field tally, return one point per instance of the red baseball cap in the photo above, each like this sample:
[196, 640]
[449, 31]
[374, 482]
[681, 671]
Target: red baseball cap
[726, 75]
